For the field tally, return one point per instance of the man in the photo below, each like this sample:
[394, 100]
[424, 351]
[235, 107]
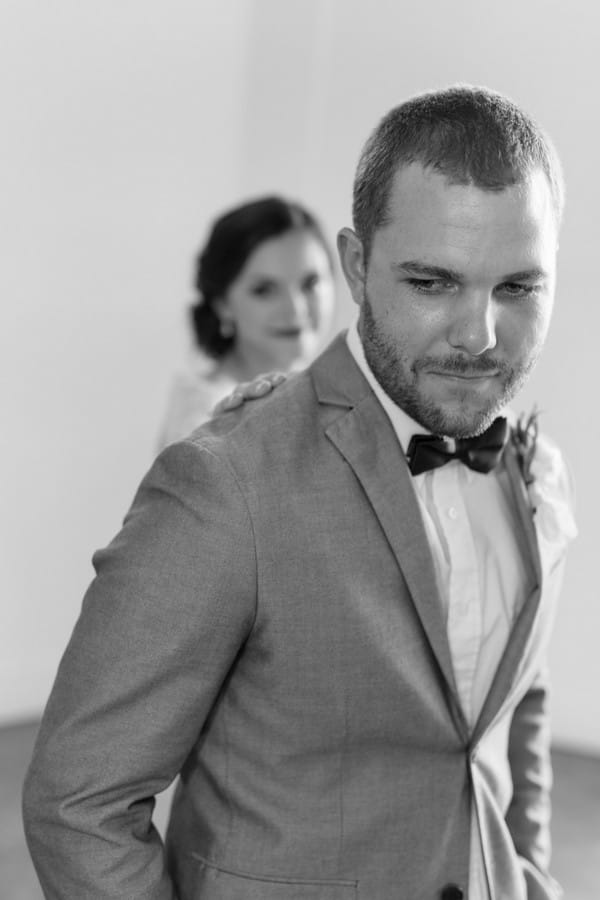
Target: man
[329, 625]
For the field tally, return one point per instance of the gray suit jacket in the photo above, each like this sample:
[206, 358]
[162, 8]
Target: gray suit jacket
[267, 624]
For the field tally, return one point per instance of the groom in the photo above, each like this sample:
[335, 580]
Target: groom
[328, 611]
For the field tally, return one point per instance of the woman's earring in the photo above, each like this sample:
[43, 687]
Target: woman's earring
[226, 328]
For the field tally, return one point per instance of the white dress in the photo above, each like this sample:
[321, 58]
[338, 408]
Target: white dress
[194, 392]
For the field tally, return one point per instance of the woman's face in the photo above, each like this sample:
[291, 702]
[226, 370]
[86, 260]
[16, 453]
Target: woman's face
[281, 303]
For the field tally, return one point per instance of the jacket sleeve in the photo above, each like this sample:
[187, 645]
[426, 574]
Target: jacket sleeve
[172, 601]
[528, 817]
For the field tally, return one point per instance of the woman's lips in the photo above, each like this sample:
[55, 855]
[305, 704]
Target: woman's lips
[287, 332]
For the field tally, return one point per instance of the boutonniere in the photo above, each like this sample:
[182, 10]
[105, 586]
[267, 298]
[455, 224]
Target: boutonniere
[546, 480]
[525, 436]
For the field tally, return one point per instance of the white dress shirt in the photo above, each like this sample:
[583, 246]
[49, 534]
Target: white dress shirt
[480, 571]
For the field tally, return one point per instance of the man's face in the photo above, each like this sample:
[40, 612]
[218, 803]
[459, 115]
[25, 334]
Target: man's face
[456, 297]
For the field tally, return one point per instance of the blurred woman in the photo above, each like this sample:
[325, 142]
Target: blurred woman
[265, 302]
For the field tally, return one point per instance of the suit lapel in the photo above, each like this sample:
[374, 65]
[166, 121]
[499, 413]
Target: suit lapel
[365, 438]
[521, 633]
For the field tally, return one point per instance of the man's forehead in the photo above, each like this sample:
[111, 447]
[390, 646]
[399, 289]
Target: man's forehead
[415, 186]
[476, 234]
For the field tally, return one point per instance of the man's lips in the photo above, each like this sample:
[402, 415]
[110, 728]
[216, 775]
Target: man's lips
[464, 381]
[464, 376]
[472, 375]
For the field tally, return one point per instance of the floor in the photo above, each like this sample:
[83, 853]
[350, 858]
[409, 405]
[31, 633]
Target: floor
[576, 828]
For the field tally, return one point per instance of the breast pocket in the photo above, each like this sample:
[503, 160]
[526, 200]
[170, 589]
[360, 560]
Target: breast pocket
[215, 883]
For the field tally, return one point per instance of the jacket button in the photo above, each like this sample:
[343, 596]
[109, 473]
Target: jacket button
[451, 892]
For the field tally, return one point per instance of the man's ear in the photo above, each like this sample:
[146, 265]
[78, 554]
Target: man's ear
[352, 259]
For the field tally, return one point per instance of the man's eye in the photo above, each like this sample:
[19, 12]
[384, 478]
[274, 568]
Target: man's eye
[516, 289]
[429, 285]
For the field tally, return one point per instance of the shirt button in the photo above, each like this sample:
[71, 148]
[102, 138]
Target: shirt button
[452, 512]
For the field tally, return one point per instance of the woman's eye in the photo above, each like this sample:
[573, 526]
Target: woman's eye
[262, 289]
[310, 283]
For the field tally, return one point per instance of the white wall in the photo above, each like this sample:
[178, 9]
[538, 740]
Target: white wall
[120, 139]
[127, 127]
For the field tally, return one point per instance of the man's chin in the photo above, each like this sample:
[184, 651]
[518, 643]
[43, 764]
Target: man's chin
[462, 414]
[468, 425]
[458, 421]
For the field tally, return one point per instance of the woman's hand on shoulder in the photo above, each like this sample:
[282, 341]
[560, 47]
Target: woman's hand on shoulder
[249, 390]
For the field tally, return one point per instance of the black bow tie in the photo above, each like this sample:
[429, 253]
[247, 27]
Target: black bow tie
[481, 453]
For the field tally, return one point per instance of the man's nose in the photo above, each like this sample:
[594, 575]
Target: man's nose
[473, 327]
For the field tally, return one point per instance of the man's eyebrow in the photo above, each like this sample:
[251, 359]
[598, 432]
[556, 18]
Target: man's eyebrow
[527, 275]
[424, 270]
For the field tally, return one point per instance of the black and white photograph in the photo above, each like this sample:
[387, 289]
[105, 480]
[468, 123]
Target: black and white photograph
[298, 508]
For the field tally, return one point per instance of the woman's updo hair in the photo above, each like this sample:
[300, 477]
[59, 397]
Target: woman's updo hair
[233, 238]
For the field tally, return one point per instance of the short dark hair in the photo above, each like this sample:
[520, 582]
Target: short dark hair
[234, 236]
[470, 134]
